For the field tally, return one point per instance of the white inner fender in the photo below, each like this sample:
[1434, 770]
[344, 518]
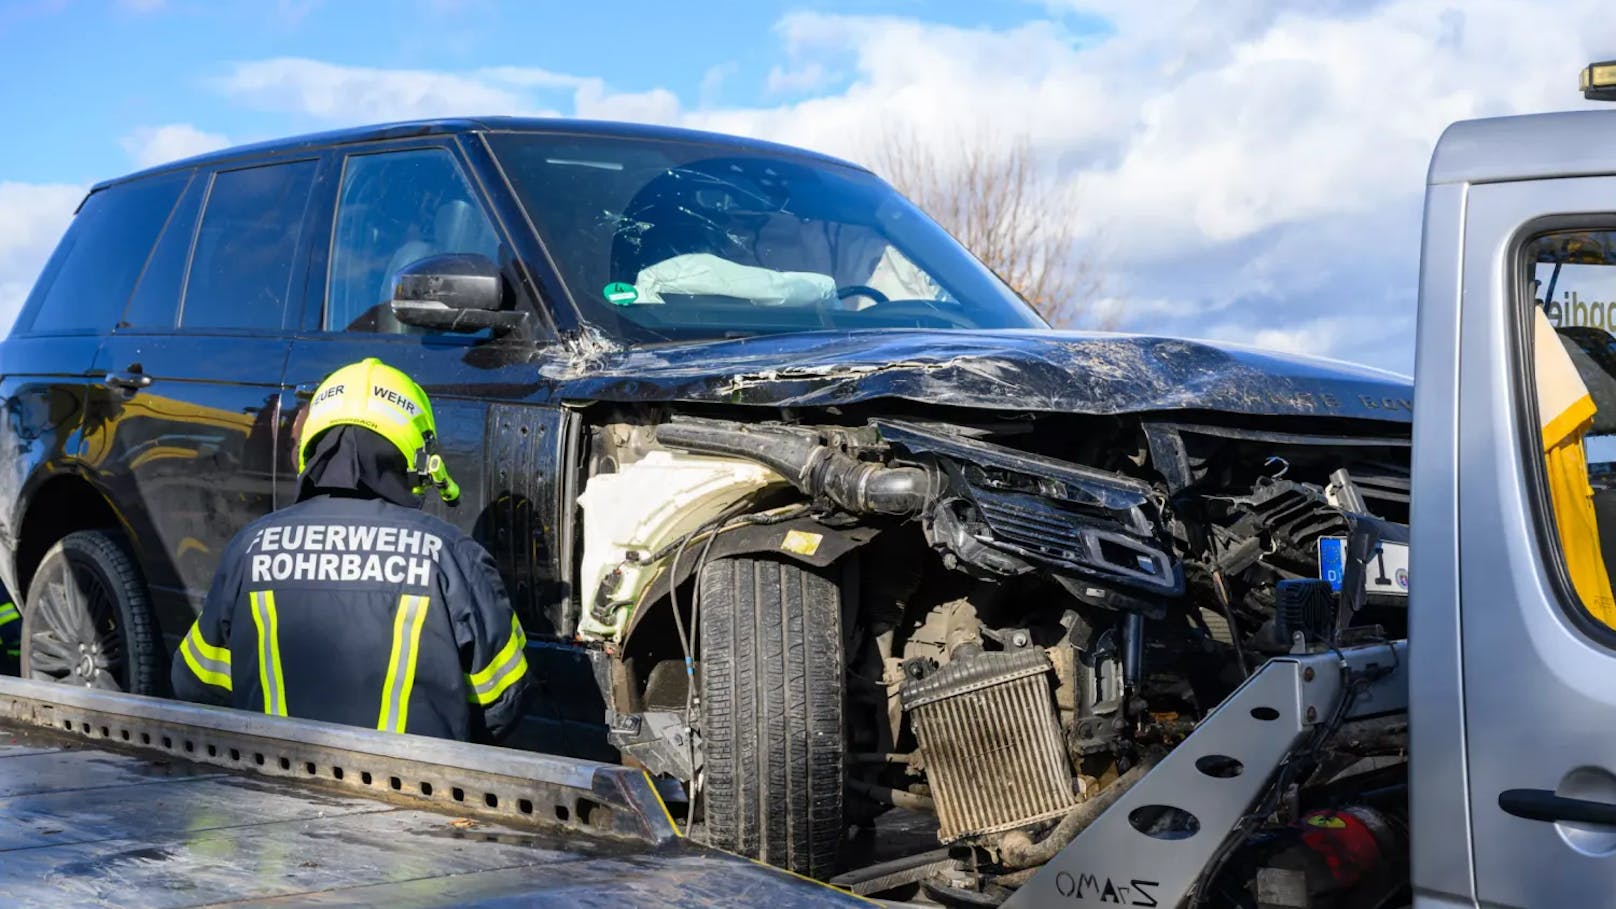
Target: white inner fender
[645, 506]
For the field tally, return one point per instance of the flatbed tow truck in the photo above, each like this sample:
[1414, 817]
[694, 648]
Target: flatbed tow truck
[1500, 791]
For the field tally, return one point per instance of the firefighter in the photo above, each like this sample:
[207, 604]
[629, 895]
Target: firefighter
[351, 605]
[10, 635]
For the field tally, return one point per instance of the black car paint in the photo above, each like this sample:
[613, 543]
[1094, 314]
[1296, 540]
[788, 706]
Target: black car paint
[505, 428]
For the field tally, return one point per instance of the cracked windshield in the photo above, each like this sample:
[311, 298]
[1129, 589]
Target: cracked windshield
[678, 241]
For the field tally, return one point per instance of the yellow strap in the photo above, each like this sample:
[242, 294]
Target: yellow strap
[211, 665]
[1578, 527]
[269, 652]
[1573, 421]
[9, 613]
[504, 670]
[407, 624]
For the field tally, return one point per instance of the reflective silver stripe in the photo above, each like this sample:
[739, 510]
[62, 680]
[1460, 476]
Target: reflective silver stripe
[9, 613]
[269, 652]
[401, 667]
[203, 665]
[509, 665]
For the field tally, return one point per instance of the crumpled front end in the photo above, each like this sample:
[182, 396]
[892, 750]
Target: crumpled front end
[1032, 604]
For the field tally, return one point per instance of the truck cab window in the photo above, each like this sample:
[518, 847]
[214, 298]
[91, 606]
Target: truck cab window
[246, 247]
[1573, 356]
[396, 208]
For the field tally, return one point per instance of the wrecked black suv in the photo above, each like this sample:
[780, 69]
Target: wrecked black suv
[829, 518]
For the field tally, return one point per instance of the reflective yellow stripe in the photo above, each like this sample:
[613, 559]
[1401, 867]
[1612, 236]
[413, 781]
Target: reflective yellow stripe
[207, 651]
[407, 624]
[269, 652]
[211, 665]
[513, 645]
[9, 613]
[503, 671]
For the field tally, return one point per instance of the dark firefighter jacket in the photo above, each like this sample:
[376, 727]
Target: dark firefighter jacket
[359, 611]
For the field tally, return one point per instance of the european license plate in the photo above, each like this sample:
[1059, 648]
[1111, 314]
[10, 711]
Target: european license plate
[1386, 573]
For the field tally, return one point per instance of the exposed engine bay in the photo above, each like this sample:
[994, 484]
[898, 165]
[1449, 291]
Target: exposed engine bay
[1032, 612]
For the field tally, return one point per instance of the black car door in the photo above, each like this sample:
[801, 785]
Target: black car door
[184, 430]
[391, 204]
[49, 357]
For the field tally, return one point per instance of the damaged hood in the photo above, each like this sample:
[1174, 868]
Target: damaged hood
[1068, 372]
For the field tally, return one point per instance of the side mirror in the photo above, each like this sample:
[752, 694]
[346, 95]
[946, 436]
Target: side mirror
[458, 292]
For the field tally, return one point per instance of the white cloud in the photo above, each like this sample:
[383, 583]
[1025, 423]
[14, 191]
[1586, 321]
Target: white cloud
[354, 94]
[1261, 162]
[32, 218]
[712, 81]
[533, 77]
[149, 146]
[805, 78]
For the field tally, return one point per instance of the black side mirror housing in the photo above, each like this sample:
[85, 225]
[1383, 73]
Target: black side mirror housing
[457, 292]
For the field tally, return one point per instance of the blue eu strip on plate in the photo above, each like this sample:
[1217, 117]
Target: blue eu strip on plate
[1333, 561]
[1386, 573]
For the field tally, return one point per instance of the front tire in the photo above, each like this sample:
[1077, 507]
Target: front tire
[88, 620]
[772, 701]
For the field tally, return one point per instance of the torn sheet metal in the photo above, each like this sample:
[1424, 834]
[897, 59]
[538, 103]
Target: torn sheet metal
[1067, 372]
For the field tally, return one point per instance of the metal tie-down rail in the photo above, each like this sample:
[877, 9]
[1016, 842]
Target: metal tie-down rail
[1213, 778]
[514, 788]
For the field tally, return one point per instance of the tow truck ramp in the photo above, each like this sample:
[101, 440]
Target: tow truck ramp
[140, 803]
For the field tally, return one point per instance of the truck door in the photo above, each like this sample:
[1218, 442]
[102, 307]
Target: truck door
[184, 427]
[391, 205]
[1535, 442]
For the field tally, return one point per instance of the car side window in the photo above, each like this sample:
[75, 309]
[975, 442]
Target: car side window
[89, 277]
[395, 208]
[1572, 356]
[156, 300]
[245, 253]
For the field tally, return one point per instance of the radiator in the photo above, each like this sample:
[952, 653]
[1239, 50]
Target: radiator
[991, 744]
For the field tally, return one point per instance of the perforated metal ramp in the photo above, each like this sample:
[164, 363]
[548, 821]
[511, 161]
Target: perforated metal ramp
[86, 820]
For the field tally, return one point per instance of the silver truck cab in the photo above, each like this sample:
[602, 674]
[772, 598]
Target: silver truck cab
[1512, 693]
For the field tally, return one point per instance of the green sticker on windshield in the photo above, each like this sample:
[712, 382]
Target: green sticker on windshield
[619, 294]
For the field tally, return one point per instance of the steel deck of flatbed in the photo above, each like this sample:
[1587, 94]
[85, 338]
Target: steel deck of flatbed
[86, 819]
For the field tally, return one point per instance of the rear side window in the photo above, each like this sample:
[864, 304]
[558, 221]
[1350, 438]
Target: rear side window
[157, 296]
[246, 247]
[89, 278]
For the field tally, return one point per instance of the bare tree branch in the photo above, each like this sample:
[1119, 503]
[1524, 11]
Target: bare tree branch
[993, 196]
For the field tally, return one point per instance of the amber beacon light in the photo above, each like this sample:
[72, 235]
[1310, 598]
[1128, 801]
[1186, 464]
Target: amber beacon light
[1598, 81]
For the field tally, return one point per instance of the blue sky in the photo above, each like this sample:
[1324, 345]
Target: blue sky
[122, 66]
[1241, 170]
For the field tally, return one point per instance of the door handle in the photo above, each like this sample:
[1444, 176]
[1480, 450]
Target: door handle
[1544, 805]
[130, 380]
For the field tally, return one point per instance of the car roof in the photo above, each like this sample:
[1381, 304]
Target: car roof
[453, 126]
[1532, 147]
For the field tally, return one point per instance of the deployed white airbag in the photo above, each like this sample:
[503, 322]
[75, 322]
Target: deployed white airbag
[707, 274]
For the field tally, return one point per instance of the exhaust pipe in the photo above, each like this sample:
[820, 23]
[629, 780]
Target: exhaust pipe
[816, 469]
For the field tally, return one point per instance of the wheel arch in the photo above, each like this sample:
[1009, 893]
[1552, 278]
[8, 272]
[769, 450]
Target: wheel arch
[59, 506]
[801, 540]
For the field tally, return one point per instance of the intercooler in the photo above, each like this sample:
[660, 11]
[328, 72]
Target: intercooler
[991, 744]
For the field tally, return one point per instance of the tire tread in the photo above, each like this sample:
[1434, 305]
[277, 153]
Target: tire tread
[772, 684]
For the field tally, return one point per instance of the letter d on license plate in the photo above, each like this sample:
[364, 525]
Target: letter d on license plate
[1386, 573]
